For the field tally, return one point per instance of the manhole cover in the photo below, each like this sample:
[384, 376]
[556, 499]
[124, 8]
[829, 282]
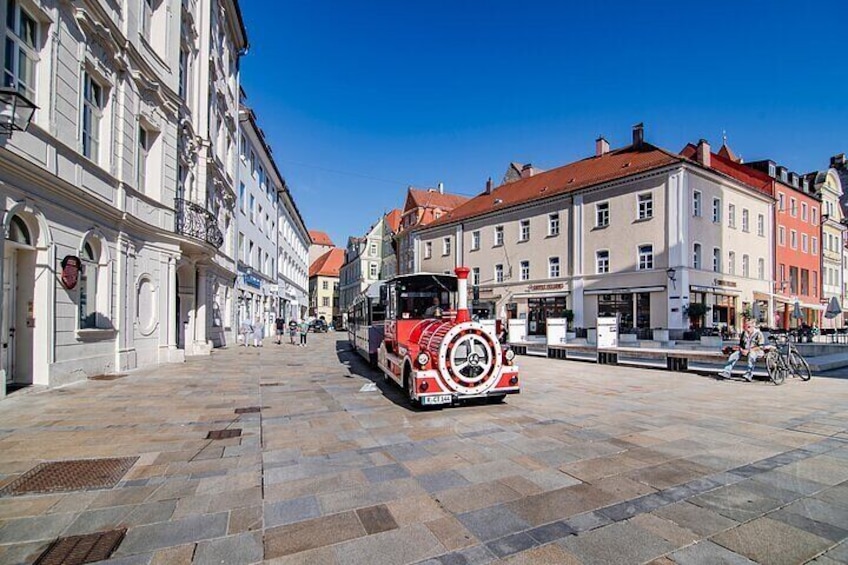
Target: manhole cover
[75, 550]
[77, 474]
[224, 434]
[248, 410]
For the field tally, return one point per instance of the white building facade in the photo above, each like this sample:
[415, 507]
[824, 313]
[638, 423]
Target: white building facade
[363, 261]
[293, 244]
[93, 182]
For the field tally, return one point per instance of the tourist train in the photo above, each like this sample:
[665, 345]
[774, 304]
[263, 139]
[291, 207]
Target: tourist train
[409, 327]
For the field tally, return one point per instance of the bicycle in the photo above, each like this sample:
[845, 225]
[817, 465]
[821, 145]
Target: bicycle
[783, 359]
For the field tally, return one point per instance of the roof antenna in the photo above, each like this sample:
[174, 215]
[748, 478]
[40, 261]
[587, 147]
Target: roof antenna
[724, 137]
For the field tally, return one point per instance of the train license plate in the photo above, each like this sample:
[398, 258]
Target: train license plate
[440, 399]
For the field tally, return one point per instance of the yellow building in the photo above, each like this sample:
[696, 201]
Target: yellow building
[324, 285]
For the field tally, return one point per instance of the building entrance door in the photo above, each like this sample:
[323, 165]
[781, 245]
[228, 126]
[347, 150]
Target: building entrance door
[8, 329]
[18, 313]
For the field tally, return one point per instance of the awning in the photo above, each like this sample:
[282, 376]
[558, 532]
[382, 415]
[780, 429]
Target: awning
[541, 294]
[714, 290]
[783, 299]
[632, 289]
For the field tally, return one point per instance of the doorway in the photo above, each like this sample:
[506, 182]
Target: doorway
[18, 324]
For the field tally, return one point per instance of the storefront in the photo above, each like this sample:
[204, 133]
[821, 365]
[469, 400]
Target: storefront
[722, 301]
[540, 301]
[636, 308]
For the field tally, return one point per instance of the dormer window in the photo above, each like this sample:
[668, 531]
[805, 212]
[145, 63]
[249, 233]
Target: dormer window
[793, 178]
[783, 176]
[772, 170]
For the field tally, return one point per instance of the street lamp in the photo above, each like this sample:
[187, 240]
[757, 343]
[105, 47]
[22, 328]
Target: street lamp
[672, 276]
[16, 111]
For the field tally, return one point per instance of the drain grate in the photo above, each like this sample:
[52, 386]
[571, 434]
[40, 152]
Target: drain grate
[75, 474]
[224, 434]
[106, 377]
[75, 550]
[248, 410]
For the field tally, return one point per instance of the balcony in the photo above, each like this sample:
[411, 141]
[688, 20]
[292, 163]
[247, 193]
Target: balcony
[196, 221]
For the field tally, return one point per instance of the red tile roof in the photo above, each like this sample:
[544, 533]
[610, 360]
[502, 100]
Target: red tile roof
[320, 238]
[752, 177]
[393, 220]
[568, 178]
[328, 264]
[432, 198]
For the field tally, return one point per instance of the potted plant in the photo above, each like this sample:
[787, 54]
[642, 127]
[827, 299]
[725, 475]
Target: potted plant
[695, 311]
[570, 334]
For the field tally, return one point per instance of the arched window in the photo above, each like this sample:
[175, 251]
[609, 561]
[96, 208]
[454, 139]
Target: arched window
[88, 288]
[19, 232]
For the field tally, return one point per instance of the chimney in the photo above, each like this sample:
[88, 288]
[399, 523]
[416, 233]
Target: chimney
[638, 135]
[702, 154]
[838, 161]
[489, 186]
[601, 146]
[527, 171]
[441, 188]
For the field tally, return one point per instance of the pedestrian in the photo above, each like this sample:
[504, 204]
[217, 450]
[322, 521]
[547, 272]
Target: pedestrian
[280, 324]
[292, 331]
[258, 330]
[304, 329]
[245, 329]
[751, 346]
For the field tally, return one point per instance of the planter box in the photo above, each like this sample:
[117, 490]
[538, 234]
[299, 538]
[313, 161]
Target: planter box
[660, 335]
[711, 341]
[570, 336]
[627, 338]
[592, 336]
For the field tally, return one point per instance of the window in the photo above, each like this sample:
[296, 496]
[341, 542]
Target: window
[782, 278]
[260, 217]
[88, 287]
[805, 281]
[241, 246]
[475, 276]
[731, 262]
[646, 257]
[716, 210]
[499, 235]
[745, 224]
[325, 301]
[602, 214]
[815, 283]
[428, 249]
[781, 236]
[746, 266]
[553, 267]
[252, 209]
[475, 240]
[716, 260]
[602, 262]
[814, 216]
[805, 244]
[446, 246]
[21, 54]
[241, 197]
[696, 256]
[761, 225]
[524, 230]
[183, 86]
[499, 273]
[372, 249]
[141, 159]
[372, 270]
[793, 239]
[815, 246]
[696, 203]
[804, 212]
[781, 202]
[525, 270]
[731, 216]
[793, 207]
[553, 224]
[92, 114]
[761, 268]
[146, 18]
[645, 206]
[325, 285]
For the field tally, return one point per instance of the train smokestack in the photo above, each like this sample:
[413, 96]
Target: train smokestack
[462, 314]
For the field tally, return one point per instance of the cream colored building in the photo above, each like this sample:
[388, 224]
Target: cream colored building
[616, 233]
[828, 184]
[324, 285]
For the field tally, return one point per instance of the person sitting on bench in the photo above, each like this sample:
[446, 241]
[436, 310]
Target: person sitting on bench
[751, 346]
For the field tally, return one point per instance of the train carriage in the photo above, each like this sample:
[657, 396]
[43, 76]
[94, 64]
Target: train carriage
[366, 317]
[434, 350]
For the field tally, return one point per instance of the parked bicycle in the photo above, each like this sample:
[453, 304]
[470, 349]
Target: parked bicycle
[783, 359]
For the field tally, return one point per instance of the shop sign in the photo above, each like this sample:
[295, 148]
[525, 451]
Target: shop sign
[252, 280]
[721, 282]
[548, 286]
[70, 271]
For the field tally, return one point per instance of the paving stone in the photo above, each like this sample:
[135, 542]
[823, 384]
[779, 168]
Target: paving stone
[771, 541]
[551, 554]
[475, 497]
[666, 529]
[696, 519]
[442, 480]
[821, 529]
[820, 511]
[476, 555]
[312, 534]
[587, 521]
[786, 481]
[385, 473]
[233, 550]
[98, 520]
[821, 469]
[561, 503]
[708, 552]
[451, 533]
[35, 528]
[511, 544]
[617, 543]
[376, 519]
[736, 502]
[493, 522]
[290, 511]
[151, 537]
[551, 532]
[406, 545]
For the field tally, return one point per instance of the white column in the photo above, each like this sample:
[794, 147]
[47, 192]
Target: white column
[201, 293]
[171, 290]
[577, 251]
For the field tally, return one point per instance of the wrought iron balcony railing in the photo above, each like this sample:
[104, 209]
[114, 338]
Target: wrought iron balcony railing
[196, 221]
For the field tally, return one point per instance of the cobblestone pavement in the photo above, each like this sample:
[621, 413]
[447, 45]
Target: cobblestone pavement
[590, 464]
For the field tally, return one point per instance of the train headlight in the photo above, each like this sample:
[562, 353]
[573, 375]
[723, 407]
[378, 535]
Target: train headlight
[423, 359]
[509, 355]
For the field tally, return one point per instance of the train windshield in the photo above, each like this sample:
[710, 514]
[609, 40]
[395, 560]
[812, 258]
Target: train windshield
[419, 296]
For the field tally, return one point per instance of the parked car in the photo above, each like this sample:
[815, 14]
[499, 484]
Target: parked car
[317, 326]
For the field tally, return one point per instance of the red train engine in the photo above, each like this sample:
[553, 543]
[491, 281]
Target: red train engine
[436, 352]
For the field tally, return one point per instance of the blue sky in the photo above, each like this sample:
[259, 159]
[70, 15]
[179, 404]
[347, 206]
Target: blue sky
[361, 99]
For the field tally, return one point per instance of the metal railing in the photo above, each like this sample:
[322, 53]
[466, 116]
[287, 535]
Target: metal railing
[196, 221]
